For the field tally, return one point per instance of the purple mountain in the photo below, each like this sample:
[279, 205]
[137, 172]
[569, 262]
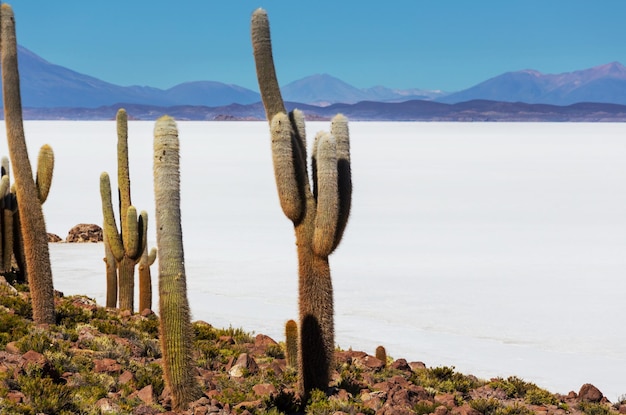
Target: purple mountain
[46, 85]
[605, 83]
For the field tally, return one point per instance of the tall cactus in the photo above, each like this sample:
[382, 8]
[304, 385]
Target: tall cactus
[319, 214]
[128, 243]
[175, 330]
[33, 226]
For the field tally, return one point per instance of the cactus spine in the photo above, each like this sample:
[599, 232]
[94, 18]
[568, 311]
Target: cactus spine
[176, 330]
[319, 214]
[33, 226]
[128, 243]
[291, 343]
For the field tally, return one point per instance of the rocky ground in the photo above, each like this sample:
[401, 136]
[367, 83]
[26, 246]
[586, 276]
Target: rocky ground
[102, 361]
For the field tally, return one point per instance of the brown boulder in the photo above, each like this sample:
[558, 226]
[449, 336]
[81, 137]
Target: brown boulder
[590, 393]
[53, 237]
[84, 232]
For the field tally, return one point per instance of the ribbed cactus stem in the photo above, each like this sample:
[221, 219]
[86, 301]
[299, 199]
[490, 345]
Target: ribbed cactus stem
[123, 171]
[45, 168]
[266, 73]
[33, 227]
[381, 354]
[289, 192]
[291, 343]
[111, 273]
[110, 227]
[327, 198]
[176, 330]
[145, 279]
[339, 129]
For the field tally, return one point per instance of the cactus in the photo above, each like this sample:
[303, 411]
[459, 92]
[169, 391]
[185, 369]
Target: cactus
[127, 244]
[176, 331]
[319, 214]
[31, 219]
[291, 343]
[145, 278]
[381, 354]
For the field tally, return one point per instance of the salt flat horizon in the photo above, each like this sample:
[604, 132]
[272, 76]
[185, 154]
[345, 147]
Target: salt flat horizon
[497, 248]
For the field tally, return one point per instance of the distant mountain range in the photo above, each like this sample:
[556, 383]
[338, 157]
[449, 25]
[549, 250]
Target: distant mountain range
[51, 91]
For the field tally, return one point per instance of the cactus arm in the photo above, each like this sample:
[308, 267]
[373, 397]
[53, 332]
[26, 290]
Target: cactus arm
[339, 129]
[123, 175]
[45, 167]
[131, 233]
[110, 228]
[266, 73]
[152, 255]
[285, 170]
[327, 203]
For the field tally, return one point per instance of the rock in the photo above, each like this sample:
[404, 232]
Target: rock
[417, 365]
[590, 393]
[84, 232]
[125, 377]
[401, 364]
[15, 396]
[6, 287]
[245, 364]
[622, 409]
[369, 363]
[106, 366]
[262, 342]
[146, 394]
[106, 406]
[264, 390]
[53, 237]
[12, 348]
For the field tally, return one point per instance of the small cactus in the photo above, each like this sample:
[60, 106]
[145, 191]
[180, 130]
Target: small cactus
[381, 354]
[291, 343]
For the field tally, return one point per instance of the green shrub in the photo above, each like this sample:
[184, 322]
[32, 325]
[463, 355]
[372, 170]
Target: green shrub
[19, 305]
[425, 407]
[592, 408]
[12, 326]
[45, 396]
[148, 374]
[444, 379]
[486, 406]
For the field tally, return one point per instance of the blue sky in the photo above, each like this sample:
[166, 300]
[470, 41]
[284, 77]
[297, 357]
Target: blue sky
[430, 44]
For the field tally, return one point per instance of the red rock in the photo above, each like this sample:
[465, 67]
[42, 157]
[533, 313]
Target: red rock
[15, 396]
[401, 364]
[590, 393]
[417, 365]
[264, 389]
[146, 394]
[244, 364]
[125, 377]
[106, 366]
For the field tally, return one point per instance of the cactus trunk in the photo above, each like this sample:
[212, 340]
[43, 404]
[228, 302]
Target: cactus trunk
[126, 283]
[176, 330]
[317, 335]
[33, 227]
[111, 272]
